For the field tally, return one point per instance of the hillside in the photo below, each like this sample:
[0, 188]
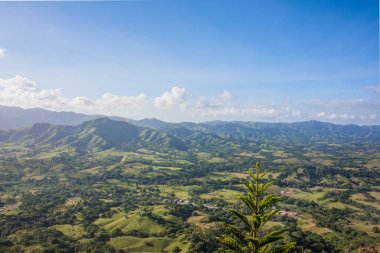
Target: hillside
[298, 131]
[100, 133]
[113, 186]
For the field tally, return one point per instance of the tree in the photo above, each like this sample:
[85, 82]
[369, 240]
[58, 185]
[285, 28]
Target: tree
[177, 250]
[250, 238]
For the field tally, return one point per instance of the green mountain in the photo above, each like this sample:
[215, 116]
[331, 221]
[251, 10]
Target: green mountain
[151, 123]
[198, 139]
[97, 132]
[101, 133]
[298, 131]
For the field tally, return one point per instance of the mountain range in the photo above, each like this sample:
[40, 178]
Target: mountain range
[15, 117]
[100, 133]
[86, 132]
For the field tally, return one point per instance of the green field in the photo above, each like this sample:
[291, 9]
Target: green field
[151, 244]
[155, 198]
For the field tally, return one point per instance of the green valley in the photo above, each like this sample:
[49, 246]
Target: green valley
[111, 186]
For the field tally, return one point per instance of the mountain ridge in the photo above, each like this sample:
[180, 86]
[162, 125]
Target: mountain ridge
[100, 133]
[113, 130]
[12, 117]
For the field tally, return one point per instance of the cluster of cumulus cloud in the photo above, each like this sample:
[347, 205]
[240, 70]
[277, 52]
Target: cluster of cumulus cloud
[22, 92]
[177, 105]
[2, 52]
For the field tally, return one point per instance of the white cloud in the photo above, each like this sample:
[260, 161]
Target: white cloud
[336, 115]
[169, 99]
[226, 95]
[81, 101]
[223, 100]
[250, 112]
[373, 89]
[109, 103]
[22, 92]
[360, 111]
[372, 116]
[262, 111]
[2, 52]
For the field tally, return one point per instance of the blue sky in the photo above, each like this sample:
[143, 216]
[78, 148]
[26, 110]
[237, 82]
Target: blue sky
[194, 60]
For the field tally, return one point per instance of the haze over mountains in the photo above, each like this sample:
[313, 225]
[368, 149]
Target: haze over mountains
[86, 132]
[16, 117]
